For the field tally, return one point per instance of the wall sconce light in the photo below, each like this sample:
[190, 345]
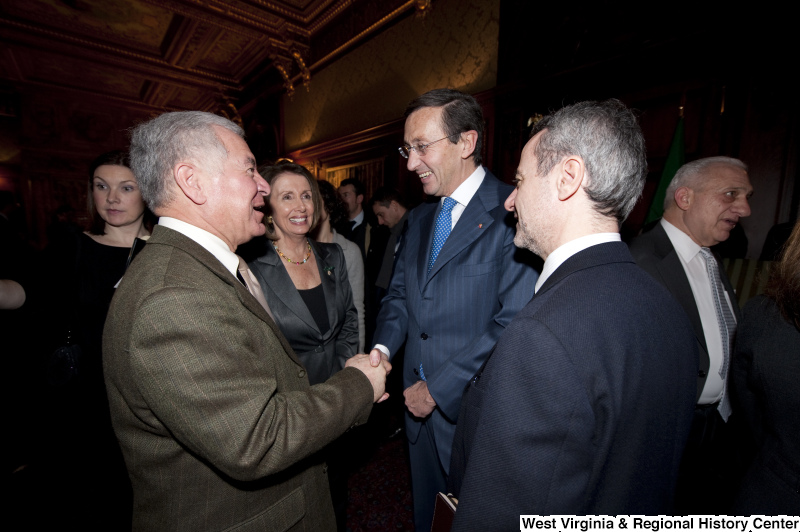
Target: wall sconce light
[423, 7]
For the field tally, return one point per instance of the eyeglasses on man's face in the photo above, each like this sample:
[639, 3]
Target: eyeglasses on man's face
[419, 149]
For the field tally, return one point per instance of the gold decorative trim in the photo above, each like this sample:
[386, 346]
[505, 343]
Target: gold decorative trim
[235, 19]
[202, 77]
[129, 102]
[304, 72]
[371, 29]
[332, 148]
[287, 82]
[323, 21]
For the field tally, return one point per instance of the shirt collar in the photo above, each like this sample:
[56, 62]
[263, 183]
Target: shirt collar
[683, 243]
[463, 194]
[358, 219]
[565, 251]
[211, 243]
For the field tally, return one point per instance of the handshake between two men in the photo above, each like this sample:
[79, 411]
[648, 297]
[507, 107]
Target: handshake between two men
[376, 367]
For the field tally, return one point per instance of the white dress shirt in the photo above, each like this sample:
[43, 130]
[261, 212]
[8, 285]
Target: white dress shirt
[463, 194]
[694, 264]
[211, 243]
[358, 220]
[565, 251]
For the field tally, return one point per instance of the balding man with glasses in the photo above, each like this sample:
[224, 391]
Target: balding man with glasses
[458, 281]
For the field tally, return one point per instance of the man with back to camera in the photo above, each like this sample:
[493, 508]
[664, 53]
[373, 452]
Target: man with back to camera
[457, 281]
[213, 411]
[703, 203]
[584, 405]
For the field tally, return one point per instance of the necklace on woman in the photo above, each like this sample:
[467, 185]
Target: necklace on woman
[290, 261]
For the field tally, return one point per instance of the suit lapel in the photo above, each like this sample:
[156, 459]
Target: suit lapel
[425, 239]
[671, 270]
[165, 236]
[323, 257]
[282, 286]
[473, 222]
[475, 219]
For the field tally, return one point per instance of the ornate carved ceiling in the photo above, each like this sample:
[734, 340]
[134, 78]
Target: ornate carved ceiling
[179, 54]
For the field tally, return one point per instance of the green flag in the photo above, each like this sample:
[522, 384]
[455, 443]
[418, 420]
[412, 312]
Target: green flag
[675, 160]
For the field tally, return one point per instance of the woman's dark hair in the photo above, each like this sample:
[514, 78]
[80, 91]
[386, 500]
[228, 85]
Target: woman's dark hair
[271, 172]
[112, 158]
[334, 206]
[784, 281]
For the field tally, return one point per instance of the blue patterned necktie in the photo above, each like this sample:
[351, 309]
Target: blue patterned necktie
[727, 326]
[444, 224]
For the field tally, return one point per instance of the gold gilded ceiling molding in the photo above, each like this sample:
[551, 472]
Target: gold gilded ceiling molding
[228, 110]
[304, 72]
[359, 141]
[284, 47]
[326, 11]
[249, 62]
[281, 66]
[307, 17]
[158, 94]
[220, 14]
[202, 42]
[324, 20]
[163, 95]
[126, 102]
[120, 56]
[364, 34]
[103, 32]
[183, 37]
[229, 17]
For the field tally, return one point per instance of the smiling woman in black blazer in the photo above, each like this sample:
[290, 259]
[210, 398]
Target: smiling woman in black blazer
[305, 282]
[307, 288]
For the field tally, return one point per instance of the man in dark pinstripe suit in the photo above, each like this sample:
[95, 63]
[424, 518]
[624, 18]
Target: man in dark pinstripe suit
[458, 281]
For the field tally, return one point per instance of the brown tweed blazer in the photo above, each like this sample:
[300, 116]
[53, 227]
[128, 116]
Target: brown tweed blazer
[213, 411]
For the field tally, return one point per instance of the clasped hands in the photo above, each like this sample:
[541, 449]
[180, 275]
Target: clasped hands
[376, 367]
[419, 401]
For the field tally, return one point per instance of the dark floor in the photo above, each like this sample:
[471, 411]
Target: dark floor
[380, 488]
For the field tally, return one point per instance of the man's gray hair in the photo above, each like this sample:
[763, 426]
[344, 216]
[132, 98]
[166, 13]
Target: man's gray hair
[159, 144]
[607, 136]
[690, 174]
